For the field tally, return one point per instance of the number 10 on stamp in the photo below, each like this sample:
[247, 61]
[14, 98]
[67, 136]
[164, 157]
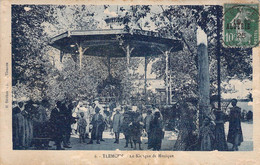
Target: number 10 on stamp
[241, 25]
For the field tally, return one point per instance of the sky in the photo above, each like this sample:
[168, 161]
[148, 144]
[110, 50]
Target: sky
[241, 89]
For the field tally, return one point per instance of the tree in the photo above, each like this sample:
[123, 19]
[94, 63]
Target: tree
[28, 48]
[180, 22]
[93, 71]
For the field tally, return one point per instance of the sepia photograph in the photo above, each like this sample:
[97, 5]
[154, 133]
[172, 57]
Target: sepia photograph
[133, 77]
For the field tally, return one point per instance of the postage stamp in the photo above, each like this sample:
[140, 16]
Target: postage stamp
[241, 25]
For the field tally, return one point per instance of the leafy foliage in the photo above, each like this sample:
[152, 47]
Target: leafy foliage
[29, 47]
[180, 22]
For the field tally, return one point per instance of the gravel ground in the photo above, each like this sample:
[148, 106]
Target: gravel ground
[167, 144]
[247, 130]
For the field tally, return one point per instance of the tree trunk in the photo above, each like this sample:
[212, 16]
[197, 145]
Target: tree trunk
[204, 85]
[187, 140]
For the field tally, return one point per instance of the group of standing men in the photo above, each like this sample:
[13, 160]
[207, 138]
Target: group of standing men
[89, 118]
[134, 125]
[121, 120]
[33, 127]
[60, 123]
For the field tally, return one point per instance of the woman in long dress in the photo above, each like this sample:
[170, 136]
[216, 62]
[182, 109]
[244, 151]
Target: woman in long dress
[157, 134]
[18, 129]
[235, 135]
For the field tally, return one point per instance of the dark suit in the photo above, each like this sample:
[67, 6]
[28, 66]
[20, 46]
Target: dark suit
[97, 122]
[67, 112]
[57, 121]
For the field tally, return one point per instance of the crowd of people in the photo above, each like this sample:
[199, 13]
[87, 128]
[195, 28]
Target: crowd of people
[93, 119]
[35, 124]
[34, 127]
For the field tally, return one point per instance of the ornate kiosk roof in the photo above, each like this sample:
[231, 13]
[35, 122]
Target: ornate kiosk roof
[110, 42]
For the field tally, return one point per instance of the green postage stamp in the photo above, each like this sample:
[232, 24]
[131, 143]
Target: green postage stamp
[241, 25]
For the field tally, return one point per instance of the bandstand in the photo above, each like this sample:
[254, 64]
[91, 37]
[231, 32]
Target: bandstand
[117, 43]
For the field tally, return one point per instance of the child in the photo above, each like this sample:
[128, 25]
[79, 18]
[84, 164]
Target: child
[82, 123]
[125, 128]
[207, 135]
[137, 128]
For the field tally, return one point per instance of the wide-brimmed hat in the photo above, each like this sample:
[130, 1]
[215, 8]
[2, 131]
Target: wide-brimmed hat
[96, 99]
[234, 100]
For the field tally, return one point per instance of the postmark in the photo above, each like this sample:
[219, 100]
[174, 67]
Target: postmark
[241, 25]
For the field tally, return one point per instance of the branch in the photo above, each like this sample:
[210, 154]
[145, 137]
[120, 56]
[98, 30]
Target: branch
[131, 50]
[160, 50]
[170, 49]
[85, 49]
[184, 40]
[124, 49]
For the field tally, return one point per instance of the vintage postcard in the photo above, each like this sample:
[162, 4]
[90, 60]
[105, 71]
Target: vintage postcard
[129, 82]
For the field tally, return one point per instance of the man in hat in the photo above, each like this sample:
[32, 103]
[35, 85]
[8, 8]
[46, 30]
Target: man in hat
[126, 128]
[136, 130]
[57, 121]
[66, 127]
[97, 104]
[69, 120]
[97, 121]
[116, 125]
[103, 125]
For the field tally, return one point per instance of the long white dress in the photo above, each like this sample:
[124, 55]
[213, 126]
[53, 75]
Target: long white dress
[74, 126]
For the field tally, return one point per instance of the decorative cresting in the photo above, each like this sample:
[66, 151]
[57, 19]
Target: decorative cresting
[112, 43]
